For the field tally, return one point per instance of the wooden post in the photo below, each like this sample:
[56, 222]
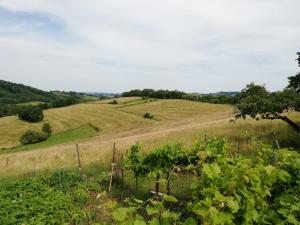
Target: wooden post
[111, 176]
[78, 158]
[205, 138]
[276, 140]
[114, 153]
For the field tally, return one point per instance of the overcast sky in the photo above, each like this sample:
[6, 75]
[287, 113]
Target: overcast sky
[117, 45]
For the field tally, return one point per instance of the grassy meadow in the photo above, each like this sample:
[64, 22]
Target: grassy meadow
[175, 120]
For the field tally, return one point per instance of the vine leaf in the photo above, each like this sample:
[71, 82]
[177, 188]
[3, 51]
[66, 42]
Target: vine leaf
[211, 170]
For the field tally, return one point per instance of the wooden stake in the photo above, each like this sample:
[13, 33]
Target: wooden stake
[276, 141]
[78, 157]
[114, 153]
[111, 176]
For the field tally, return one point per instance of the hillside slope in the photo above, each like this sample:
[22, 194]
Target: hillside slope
[113, 119]
[11, 93]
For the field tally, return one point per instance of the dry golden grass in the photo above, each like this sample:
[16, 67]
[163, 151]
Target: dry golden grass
[103, 116]
[124, 124]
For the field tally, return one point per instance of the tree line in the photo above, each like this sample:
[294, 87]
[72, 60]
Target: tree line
[175, 94]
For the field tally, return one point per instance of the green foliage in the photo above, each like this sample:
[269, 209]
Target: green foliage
[11, 93]
[47, 129]
[148, 116]
[150, 93]
[64, 101]
[114, 102]
[240, 190]
[31, 137]
[165, 158]
[33, 202]
[258, 103]
[63, 180]
[133, 161]
[79, 133]
[220, 98]
[152, 212]
[255, 101]
[31, 114]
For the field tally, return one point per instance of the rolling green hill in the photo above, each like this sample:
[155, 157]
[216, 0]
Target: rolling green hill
[11, 93]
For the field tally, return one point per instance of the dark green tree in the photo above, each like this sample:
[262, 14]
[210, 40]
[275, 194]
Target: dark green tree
[255, 101]
[31, 137]
[31, 114]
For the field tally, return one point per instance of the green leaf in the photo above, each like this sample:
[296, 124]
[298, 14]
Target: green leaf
[138, 201]
[170, 198]
[152, 210]
[292, 219]
[270, 169]
[190, 221]
[219, 197]
[139, 222]
[233, 205]
[154, 222]
[120, 214]
[211, 170]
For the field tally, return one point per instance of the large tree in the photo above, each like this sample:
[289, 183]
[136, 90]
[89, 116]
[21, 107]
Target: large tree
[256, 102]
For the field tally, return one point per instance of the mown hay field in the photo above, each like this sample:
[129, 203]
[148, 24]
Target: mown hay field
[176, 120]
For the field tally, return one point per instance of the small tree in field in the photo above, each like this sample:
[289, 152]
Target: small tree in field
[31, 114]
[148, 116]
[256, 102]
[31, 137]
[47, 129]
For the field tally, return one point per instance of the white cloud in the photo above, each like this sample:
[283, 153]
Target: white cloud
[117, 45]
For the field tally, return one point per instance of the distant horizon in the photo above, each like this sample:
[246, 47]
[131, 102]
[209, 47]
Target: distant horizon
[115, 46]
[119, 93]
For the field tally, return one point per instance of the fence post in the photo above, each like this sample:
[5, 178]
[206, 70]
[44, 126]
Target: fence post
[276, 140]
[114, 153]
[205, 138]
[78, 158]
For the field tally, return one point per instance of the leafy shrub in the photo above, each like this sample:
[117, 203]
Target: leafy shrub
[63, 180]
[47, 129]
[33, 202]
[241, 190]
[80, 196]
[31, 114]
[31, 137]
[148, 116]
[114, 102]
[62, 102]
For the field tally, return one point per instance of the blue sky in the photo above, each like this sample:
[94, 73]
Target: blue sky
[117, 45]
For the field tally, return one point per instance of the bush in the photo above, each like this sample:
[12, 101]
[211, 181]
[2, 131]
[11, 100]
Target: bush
[47, 129]
[31, 114]
[114, 102]
[148, 116]
[31, 137]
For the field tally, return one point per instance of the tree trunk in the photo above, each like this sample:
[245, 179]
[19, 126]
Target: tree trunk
[294, 125]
